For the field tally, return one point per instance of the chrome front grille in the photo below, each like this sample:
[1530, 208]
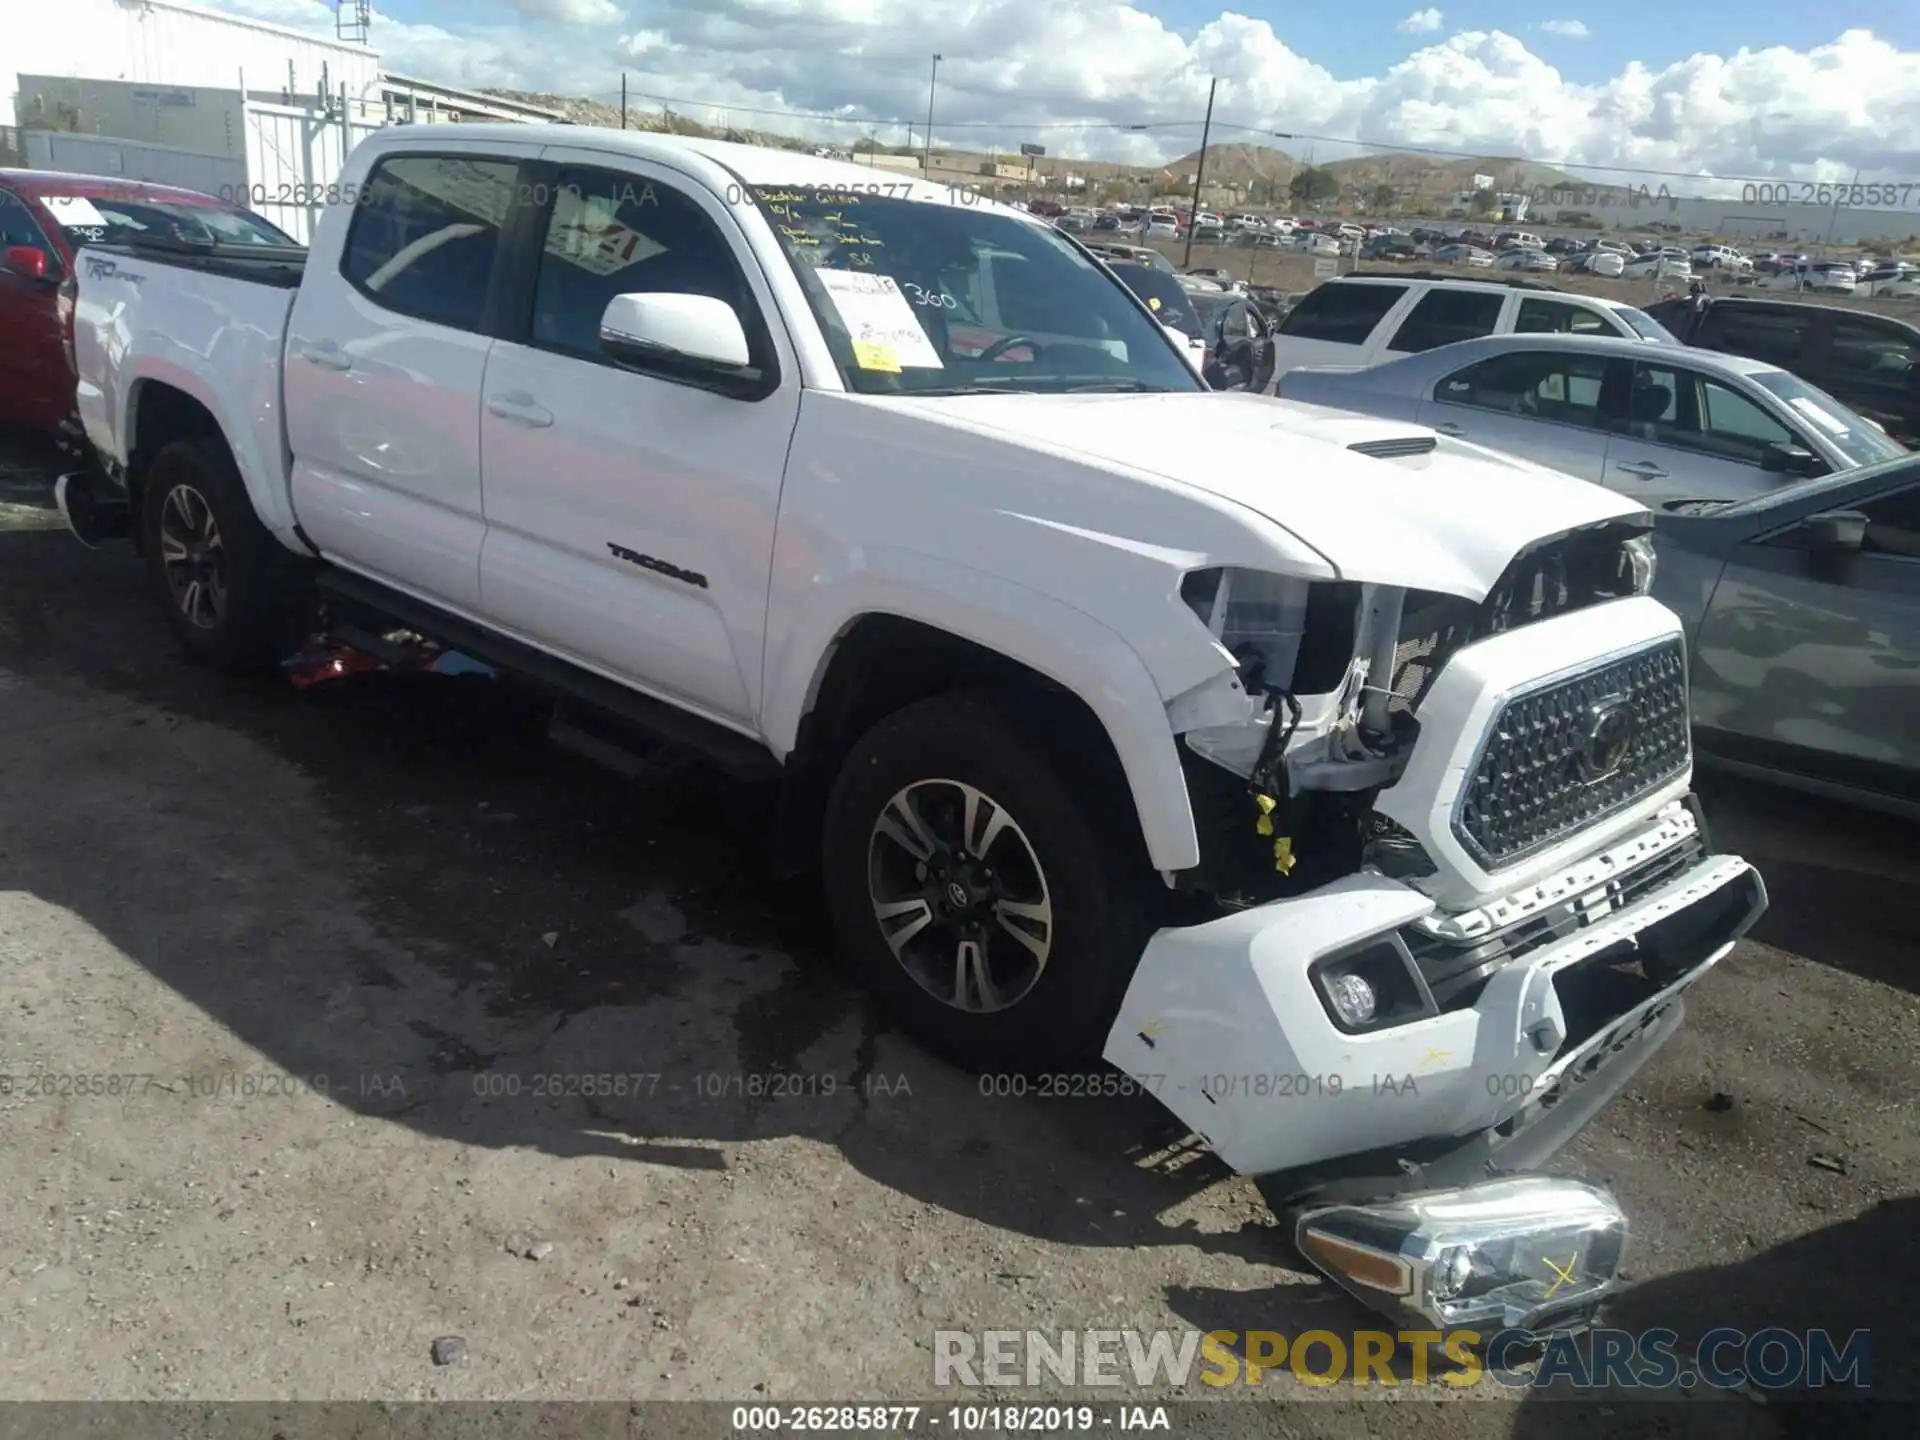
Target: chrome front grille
[1570, 753]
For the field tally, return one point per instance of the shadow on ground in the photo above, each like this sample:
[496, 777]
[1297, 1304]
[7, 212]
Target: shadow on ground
[530, 918]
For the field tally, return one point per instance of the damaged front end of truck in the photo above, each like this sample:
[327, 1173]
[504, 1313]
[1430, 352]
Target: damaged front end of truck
[1457, 889]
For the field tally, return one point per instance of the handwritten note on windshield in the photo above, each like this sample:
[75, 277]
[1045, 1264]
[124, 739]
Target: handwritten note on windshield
[878, 319]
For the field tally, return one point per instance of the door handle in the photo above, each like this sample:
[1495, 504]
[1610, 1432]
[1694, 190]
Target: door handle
[1644, 469]
[520, 408]
[1447, 427]
[326, 355]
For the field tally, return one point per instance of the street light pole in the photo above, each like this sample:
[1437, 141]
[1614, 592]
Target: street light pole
[926, 163]
[1199, 174]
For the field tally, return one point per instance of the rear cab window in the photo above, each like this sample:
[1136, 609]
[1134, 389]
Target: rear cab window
[1342, 313]
[425, 233]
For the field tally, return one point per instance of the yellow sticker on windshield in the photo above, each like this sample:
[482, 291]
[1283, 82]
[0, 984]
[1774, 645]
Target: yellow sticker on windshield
[1153, 304]
[869, 356]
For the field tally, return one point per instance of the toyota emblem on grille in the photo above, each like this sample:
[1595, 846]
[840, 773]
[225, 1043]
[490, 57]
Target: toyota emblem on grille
[1610, 732]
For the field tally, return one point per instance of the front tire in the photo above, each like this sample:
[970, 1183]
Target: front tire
[233, 595]
[990, 909]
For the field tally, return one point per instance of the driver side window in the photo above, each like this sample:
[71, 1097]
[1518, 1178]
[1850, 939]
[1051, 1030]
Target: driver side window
[613, 233]
[1683, 408]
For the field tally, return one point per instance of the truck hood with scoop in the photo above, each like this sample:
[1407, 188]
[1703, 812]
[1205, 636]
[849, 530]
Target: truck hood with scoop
[1383, 501]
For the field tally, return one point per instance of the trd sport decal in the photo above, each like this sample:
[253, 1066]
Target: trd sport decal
[659, 567]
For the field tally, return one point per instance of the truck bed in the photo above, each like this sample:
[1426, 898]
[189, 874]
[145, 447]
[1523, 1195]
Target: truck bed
[208, 324]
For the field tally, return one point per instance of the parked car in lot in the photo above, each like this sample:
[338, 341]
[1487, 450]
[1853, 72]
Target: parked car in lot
[1239, 352]
[1892, 279]
[1171, 302]
[1392, 246]
[1087, 690]
[1469, 255]
[1161, 228]
[1608, 264]
[1818, 277]
[1362, 319]
[1667, 264]
[1522, 257]
[45, 217]
[1317, 243]
[1654, 422]
[1802, 609]
[1134, 254]
[1872, 362]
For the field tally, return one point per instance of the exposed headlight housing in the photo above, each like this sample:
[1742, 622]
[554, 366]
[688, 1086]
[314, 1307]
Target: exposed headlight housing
[1260, 618]
[1641, 557]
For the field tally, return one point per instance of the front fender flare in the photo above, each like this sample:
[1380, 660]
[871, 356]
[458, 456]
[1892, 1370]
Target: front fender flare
[1066, 645]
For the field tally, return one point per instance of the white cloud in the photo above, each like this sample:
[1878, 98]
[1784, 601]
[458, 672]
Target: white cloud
[1422, 22]
[1565, 29]
[574, 12]
[1073, 75]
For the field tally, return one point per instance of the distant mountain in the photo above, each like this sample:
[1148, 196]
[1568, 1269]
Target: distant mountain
[1259, 168]
[1259, 172]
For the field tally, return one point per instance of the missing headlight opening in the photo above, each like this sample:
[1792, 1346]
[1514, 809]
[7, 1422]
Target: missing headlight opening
[1333, 674]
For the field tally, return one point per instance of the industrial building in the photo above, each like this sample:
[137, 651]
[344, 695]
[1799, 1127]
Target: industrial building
[171, 92]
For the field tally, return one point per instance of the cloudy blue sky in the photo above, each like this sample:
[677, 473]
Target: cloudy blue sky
[1762, 88]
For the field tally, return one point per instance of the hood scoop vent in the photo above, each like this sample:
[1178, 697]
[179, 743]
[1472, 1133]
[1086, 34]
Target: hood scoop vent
[1397, 446]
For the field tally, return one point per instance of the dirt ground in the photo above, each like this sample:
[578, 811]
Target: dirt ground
[340, 947]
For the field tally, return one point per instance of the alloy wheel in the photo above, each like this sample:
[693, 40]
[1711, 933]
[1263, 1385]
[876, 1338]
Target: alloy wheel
[192, 557]
[959, 895]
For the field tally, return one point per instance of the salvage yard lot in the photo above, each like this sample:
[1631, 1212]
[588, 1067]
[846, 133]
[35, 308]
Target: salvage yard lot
[394, 991]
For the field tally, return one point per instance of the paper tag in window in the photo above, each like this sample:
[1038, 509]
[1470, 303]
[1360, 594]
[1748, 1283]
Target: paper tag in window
[1831, 424]
[879, 321]
[870, 356]
[72, 210]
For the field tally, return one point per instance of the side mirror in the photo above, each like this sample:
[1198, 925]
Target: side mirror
[1834, 531]
[1789, 460]
[694, 338]
[27, 260]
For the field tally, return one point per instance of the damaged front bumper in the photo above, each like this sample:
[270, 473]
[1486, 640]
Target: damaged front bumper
[1515, 1023]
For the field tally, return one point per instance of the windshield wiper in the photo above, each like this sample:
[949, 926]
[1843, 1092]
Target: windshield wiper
[962, 390]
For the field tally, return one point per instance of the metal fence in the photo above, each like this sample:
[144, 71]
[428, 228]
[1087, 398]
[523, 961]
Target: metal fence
[295, 158]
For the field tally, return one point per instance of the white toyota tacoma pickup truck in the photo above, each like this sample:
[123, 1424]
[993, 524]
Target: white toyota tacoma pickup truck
[1328, 778]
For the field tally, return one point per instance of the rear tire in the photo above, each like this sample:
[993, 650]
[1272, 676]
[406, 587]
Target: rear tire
[235, 597]
[1042, 899]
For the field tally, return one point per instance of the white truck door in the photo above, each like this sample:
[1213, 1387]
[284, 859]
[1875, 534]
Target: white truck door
[630, 518]
[384, 362]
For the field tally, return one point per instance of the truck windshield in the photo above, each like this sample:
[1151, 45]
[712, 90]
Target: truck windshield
[94, 221]
[919, 297]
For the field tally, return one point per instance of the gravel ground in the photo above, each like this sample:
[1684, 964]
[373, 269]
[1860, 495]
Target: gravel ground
[334, 942]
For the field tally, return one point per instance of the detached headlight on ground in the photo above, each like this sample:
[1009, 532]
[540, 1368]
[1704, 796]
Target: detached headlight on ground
[1530, 1253]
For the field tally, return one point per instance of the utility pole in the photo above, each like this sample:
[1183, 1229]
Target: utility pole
[926, 163]
[1199, 173]
[623, 99]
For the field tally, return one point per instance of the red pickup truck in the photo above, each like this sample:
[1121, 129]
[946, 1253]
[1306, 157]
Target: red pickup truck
[44, 218]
